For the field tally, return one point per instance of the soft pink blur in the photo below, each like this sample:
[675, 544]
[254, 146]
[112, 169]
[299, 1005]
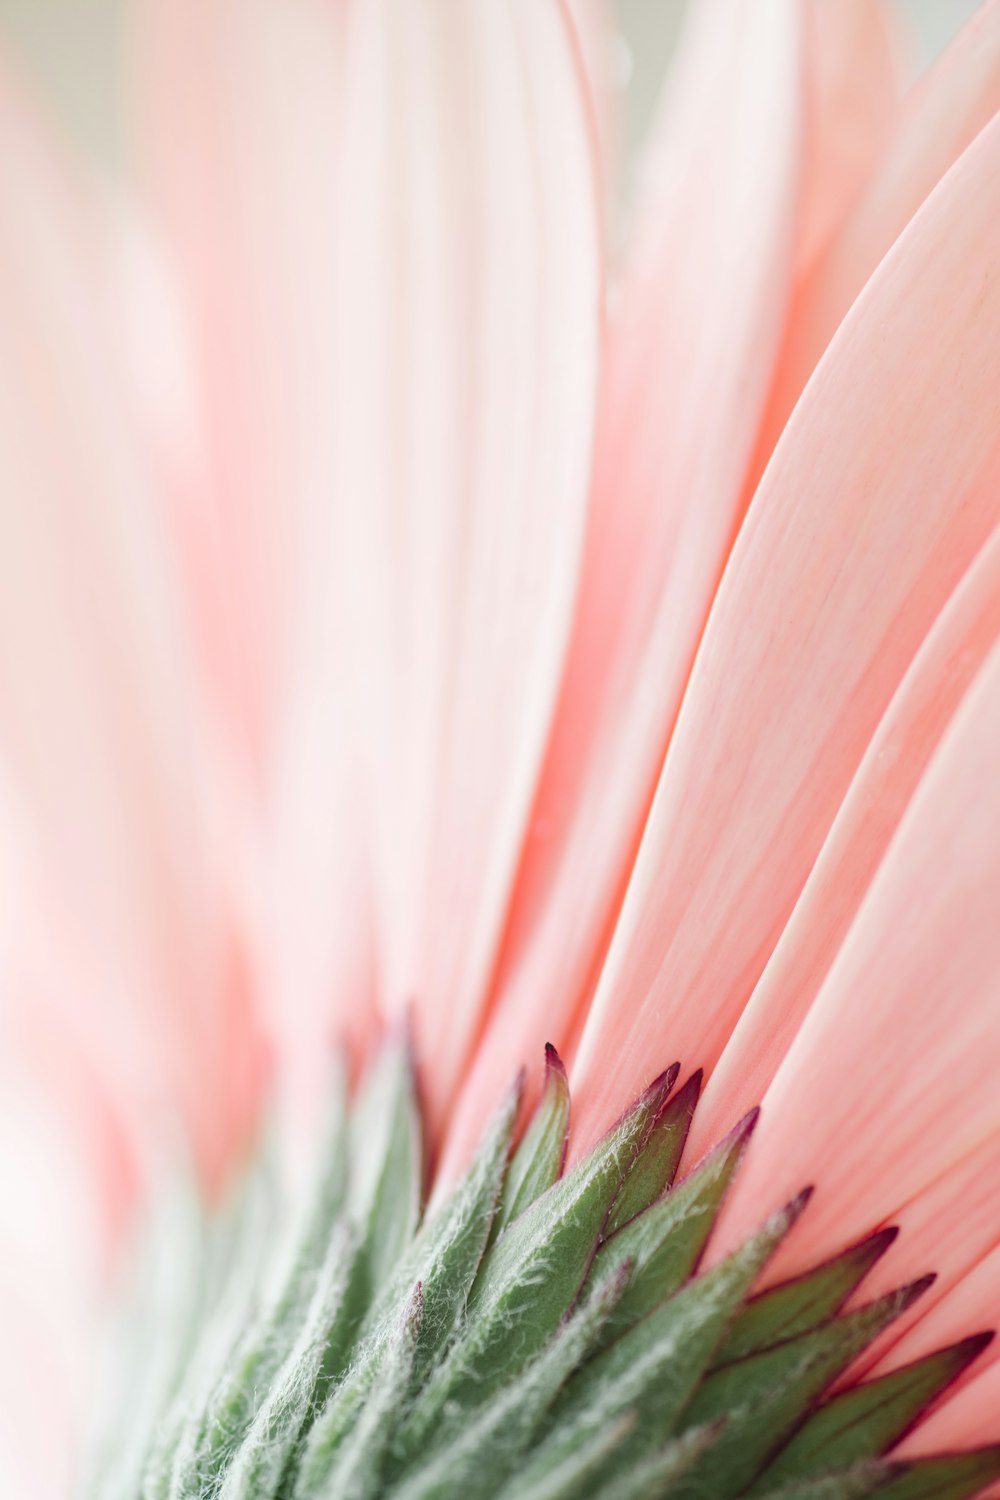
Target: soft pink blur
[410, 606]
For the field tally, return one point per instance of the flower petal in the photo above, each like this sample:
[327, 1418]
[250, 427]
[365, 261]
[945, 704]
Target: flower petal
[938, 120]
[468, 285]
[885, 781]
[891, 1082]
[689, 355]
[105, 740]
[236, 127]
[853, 85]
[950, 1226]
[884, 486]
[970, 1416]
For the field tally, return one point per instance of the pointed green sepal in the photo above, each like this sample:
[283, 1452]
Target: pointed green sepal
[855, 1483]
[660, 1157]
[538, 1161]
[796, 1306]
[955, 1476]
[665, 1243]
[867, 1420]
[764, 1397]
[539, 1336]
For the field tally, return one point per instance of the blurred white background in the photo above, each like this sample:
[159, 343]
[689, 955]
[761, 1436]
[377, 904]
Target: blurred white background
[73, 47]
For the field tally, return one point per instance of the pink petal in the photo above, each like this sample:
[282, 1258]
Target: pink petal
[938, 120]
[243, 186]
[878, 796]
[891, 1082]
[689, 362]
[852, 92]
[105, 738]
[969, 1418]
[884, 486]
[467, 287]
[950, 1226]
[236, 111]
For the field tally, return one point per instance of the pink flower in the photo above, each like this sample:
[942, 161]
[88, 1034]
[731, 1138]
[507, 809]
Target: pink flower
[402, 613]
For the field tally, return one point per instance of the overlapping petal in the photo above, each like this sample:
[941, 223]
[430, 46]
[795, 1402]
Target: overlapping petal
[938, 119]
[467, 291]
[701, 308]
[105, 734]
[235, 134]
[891, 1081]
[881, 491]
[869, 815]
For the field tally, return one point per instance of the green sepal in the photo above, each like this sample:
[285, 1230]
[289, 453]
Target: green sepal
[532, 1274]
[657, 1474]
[570, 1354]
[442, 1261]
[654, 1369]
[855, 1483]
[248, 1322]
[538, 1161]
[472, 1454]
[867, 1420]
[796, 1306]
[267, 1446]
[660, 1156]
[665, 1243]
[955, 1476]
[764, 1397]
[386, 1180]
[359, 1462]
[558, 1473]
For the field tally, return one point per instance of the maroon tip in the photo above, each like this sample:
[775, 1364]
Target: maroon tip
[879, 1241]
[518, 1085]
[553, 1062]
[972, 1347]
[659, 1088]
[743, 1129]
[797, 1206]
[915, 1289]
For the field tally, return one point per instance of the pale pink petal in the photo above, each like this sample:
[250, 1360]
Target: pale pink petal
[690, 346]
[242, 183]
[884, 486]
[604, 60]
[236, 108]
[468, 286]
[971, 1416]
[938, 119]
[104, 738]
[886, 779]
[950, 1227]
[891, 1082]
[49, 1268]
[852, 91]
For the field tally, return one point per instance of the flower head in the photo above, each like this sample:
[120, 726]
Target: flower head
[418, 617]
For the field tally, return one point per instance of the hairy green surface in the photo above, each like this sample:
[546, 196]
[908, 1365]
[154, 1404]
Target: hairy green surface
[543, 1335]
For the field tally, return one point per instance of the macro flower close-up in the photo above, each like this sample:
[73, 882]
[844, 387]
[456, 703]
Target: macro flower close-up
[500, 752]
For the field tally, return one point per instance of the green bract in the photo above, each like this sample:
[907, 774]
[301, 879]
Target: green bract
[540, 1336]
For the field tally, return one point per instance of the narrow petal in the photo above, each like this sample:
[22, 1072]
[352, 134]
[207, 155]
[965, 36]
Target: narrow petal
[885, 485]
[891, 1082]
[468, 286]
[235, 129]
[701, 309]
[937, 121]
[869, 815]
[951, 1225]
[970, 1416]
[104, 737]
[852, 96]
